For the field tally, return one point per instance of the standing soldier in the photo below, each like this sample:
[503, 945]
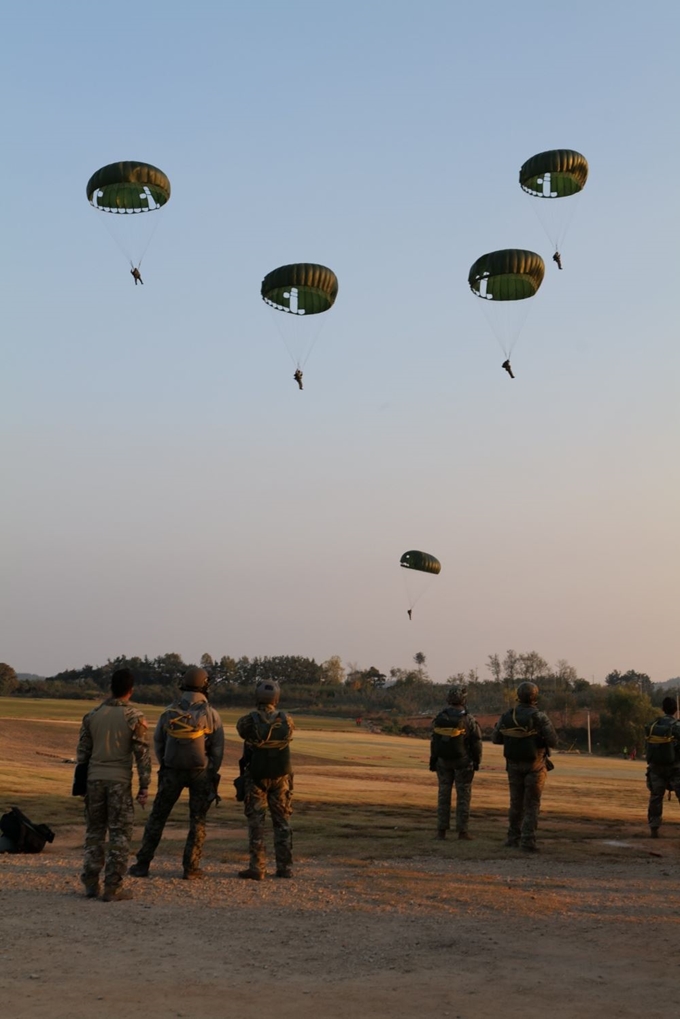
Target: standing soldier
[268, 776]
[455, 754]
[110, 737]
[189, 745]
[526, 735]
[662, 750]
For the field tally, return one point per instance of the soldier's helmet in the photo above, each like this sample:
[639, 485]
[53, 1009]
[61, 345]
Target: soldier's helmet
[195, 678]
[527, 693]
[457, 694]
[267, 691]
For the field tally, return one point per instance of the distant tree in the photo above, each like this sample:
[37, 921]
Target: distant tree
[8, 680]
[631, 678]
[531, 666]
[623, 722]
[419, 659]
[207, 662]
[495, 668]
[332, 672]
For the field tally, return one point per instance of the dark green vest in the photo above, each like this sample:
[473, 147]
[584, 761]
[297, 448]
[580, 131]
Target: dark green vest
[521, 741]
[448, 735]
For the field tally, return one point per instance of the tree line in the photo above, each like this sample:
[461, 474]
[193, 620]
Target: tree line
[619, 708]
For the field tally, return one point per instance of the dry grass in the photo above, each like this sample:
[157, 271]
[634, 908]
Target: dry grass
[357, 795]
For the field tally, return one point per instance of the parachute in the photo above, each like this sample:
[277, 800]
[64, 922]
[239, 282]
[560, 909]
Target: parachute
[557, 173]
[128, 189]
[505, 280]
[421, 567]
[299, 290]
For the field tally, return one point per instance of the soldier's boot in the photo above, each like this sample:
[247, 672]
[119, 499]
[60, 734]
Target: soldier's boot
[529, 847]
[654, 833]
[464, 836]
[91, 889]
[251, 874]
[511, 843]
[116, 893]
[284, 872]
[441, 833]
[139, 870]
[196, 874]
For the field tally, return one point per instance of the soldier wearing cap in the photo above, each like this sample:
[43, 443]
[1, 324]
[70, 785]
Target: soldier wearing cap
[268, 780]
[189, 745]
[110, 737]
[526, 735]
[455, 755]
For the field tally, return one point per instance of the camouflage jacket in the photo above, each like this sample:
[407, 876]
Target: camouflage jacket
[112, 735]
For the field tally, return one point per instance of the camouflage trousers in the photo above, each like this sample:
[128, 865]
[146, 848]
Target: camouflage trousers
[108, 806]
[526, 787]
[448, 775]
[171, 782]
[659, 779]
[277, 794]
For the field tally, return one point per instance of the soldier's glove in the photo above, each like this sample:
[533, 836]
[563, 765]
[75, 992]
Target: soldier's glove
[433, 764]
[475, 766]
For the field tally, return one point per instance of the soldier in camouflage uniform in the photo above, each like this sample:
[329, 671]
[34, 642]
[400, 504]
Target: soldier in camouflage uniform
[455, 755]
[189, 746]
[662, 750]
[268, 780]
[526, 735]
[110, 737]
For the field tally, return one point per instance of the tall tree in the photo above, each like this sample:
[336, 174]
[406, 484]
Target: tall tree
[8, 680]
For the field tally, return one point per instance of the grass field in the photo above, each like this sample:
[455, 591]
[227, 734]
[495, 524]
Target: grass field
[356, 792]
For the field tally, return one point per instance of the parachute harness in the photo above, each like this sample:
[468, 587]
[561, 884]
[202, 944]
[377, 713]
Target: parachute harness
[183, 726]
[518, 731]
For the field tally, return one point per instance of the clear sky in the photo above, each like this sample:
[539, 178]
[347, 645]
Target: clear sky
[166, 487]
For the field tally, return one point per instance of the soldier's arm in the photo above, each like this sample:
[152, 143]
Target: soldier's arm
[159, 739]
[546, 729]
[84, 750]
[140, 748]
[215, 743]
[475, 740]
[244, 727]
[497, 735]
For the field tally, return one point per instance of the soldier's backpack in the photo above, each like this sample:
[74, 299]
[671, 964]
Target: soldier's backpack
[188, 721]
[269, 744]
[448, 735]
[520, 739]
[660, 745]
[25, 836]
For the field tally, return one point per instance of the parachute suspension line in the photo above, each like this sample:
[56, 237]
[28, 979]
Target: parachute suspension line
[117, 239]
[151, 236]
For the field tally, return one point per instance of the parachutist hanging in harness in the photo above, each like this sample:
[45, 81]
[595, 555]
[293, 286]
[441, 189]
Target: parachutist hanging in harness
[134, 272]
[409, 613]
[558, 259]
[298, 377]
[508, 368]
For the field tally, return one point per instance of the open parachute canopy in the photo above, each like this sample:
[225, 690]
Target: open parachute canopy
[557, 173]
[300, 289]
[507, 275]
[421, 561]
[128, 187]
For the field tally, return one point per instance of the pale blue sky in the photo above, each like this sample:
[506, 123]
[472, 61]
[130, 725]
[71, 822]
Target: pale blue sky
[165, 485]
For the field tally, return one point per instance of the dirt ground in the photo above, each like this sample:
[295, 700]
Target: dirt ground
[520, 937]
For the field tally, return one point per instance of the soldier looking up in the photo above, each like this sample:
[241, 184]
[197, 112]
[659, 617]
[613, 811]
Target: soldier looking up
[662, 750]
[110, 736]
[526, 735]
[268, 776]
[455, 755]
[189, 745]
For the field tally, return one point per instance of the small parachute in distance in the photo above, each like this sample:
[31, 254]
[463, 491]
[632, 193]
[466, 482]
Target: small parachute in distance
[300, 289]
[128, 187]
[422, 567]
[421, 561]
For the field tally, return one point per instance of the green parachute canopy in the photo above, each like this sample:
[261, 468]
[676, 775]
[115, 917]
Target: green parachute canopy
[128, 187]
[507, 275]
[300, 289]
[557, 173]
[421, 561]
